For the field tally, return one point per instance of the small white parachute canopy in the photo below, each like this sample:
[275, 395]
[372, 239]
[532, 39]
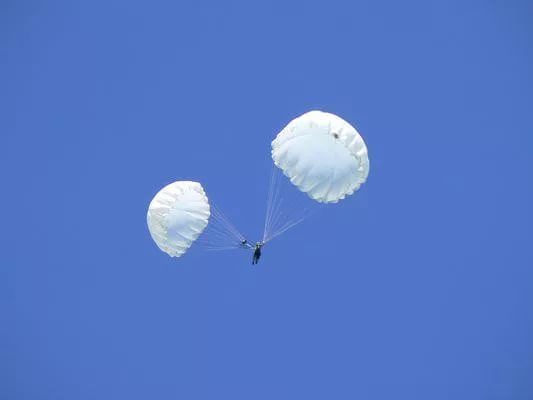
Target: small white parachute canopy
[323, 155]
[177, 215]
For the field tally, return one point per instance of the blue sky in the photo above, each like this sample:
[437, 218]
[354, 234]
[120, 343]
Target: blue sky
[418, 287]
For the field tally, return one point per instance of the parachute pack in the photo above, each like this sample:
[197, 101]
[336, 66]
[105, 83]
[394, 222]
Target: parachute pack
[319, 152]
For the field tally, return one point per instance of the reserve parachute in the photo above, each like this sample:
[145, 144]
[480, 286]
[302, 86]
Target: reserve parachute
[177, 216]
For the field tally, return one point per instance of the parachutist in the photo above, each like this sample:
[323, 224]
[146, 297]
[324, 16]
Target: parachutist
[257, 253]
[245, 244]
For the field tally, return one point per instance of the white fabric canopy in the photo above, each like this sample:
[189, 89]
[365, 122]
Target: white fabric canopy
[323, 155]
[177, 215]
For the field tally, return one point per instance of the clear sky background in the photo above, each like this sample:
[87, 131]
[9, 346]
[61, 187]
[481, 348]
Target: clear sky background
[420, 286]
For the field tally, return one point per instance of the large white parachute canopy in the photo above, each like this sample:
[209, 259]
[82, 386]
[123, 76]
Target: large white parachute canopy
[177, 215]
[323, 155]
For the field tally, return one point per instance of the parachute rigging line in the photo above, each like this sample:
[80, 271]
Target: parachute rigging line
[221, 234]
[279, 218]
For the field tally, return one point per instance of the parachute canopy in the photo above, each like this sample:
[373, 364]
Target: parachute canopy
[323, 155]
[177, 215]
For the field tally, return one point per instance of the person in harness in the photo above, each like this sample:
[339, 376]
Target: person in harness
[257, 253]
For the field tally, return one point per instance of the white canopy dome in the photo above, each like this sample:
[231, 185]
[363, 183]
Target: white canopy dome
[323, 155]
[177, 215]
